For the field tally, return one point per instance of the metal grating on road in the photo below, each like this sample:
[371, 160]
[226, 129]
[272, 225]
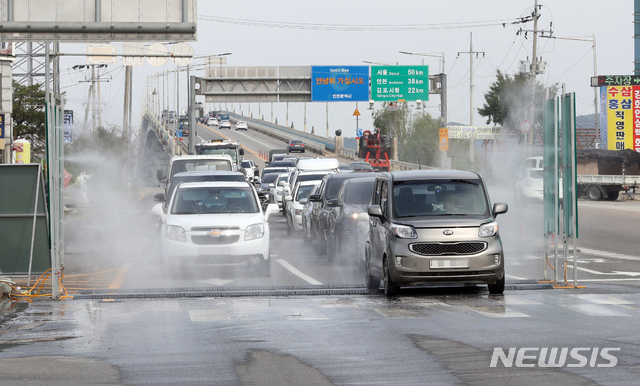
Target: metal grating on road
[271, 291]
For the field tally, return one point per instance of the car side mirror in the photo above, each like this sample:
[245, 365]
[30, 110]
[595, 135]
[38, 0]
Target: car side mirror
[303, 201]
[333, 202]
[500, 208]
[161, 175]
[374, 210]
[288, 197]
[314, 198]
[159, 197]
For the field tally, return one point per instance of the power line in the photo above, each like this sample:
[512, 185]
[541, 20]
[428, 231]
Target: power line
[363, 27]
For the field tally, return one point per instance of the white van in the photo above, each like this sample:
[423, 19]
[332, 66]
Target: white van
[317, 164]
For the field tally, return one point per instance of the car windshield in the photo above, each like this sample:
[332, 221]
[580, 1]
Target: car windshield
[439, 198]
[180, 166]
[214, 200]
[269, 178]
[358, 193]
[245, 164]
[219, 150]
[202, 178]
[304, 191]
[333, 187]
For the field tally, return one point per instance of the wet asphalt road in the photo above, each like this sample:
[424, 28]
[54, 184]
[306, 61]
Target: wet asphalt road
[163, 330]
[425, 337]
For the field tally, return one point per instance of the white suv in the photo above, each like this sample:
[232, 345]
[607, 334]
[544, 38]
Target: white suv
[210, 223]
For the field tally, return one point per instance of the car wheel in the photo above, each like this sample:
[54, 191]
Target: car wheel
[390, 287]
[497, 288]
[332, 250]
[289, 225]
[264, 268]
[372, 282]
[613, 195]
[594, 193]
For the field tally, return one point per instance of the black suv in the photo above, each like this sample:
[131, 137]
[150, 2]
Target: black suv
[324, 201]
[433, 226]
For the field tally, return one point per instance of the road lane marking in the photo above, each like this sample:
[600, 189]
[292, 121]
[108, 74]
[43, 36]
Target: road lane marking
[609, 255]
[605, 273]
[595, 310]
[296, 272]
[122, 273]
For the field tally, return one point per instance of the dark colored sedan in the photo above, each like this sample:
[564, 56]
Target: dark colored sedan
[295, 145]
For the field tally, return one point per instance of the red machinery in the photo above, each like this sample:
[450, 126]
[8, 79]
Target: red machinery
[374, 148]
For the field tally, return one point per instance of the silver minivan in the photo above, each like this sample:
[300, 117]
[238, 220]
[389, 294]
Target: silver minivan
[433, 226]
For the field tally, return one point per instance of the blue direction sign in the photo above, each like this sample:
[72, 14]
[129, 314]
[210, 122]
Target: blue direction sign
[399, 83]
[339, 83]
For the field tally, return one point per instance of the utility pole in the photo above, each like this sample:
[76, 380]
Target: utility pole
[126, 118]
[534, 70]
[471, 52]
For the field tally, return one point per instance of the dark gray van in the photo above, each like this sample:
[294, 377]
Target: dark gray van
[433, 226]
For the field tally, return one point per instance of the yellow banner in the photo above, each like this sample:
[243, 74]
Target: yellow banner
[444, 139]
[619, 117]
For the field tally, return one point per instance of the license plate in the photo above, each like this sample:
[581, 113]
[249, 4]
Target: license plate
[449, 263]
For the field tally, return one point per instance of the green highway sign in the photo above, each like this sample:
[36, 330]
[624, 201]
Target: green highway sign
[398, 83]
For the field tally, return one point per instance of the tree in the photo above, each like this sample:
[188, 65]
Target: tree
[392, 120]
[29, 117]
[421, 145]
[508, 101]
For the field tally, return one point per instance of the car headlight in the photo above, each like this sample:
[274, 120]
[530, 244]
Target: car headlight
[404, 231]
[254, 231]
[488, 229]
[176, 233]
[298, 212]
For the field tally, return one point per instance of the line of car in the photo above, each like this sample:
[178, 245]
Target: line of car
[402, 228]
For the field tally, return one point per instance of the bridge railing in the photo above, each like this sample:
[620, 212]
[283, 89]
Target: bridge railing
[312, 142]
[164, 133]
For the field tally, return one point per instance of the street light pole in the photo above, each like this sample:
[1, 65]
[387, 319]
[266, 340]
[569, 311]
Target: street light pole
[595, 74]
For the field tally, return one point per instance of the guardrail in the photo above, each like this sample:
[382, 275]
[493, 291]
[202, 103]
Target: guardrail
[395, 165]
[312, 142]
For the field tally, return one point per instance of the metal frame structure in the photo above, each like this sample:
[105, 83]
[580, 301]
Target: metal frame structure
[98, 20]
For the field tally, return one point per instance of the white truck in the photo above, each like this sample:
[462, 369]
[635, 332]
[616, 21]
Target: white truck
[222, 146]
[601, 174]
[193, 163]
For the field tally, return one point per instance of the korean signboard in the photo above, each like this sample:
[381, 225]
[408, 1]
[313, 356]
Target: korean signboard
[474, 132]
[339, 83]
[622, 106]
[399, 83]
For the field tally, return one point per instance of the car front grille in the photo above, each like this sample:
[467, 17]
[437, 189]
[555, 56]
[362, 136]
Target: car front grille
[215, 235]
[209, 240]
[455, 248]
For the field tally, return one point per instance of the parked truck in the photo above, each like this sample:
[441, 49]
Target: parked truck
[601, 174]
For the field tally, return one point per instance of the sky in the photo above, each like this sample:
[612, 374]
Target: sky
[331, 32]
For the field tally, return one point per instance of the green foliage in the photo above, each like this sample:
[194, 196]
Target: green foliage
[508, 101]
[416, 133]
[29, 117]
[421, 145]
